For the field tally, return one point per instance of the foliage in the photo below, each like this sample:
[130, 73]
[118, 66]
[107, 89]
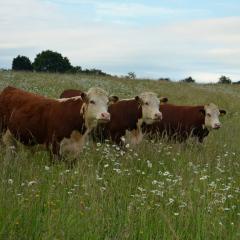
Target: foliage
[157, 190]
[49, 61]
[94, 71]
[188, 80]
[237, 82]
[76, 69]
[164, 79]
[21, 63]
[131, 75]
[224, 80]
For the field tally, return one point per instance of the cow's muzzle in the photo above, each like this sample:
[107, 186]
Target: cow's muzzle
[104, 117]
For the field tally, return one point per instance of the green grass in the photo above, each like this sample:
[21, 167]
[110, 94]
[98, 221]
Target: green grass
[157, 190]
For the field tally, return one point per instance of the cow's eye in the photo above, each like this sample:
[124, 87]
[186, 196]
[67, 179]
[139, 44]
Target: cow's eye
[146, 103]
[208, 114]
[92, 102]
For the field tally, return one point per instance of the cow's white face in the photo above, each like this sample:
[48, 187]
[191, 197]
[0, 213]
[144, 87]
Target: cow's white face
[212, 114]
[96, 105]
[150, 107]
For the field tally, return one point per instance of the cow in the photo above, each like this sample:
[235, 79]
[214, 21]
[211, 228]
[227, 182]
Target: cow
[60, 124]
[181, 122]
[127, 116]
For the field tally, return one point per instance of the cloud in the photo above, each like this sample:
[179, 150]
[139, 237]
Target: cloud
[130, 10]
[27, 14]
[204, 49]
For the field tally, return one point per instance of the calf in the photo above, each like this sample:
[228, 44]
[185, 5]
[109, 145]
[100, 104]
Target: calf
[59, 124]
[127, 115]
[180, 122]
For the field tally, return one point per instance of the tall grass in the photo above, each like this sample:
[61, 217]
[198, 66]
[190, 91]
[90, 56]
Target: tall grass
[157, 190]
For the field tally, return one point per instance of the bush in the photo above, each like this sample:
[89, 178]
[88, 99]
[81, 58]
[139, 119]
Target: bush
[76, 69]
[188, 80]
[95, 72]
[131, 75]
[49, 61]
[224, 80]
[22, 63]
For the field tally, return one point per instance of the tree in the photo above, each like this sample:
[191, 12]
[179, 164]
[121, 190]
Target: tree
[224, 80]
[76, 69]
[131, 75]
[188, 80]
[22, 63]
[49, 61]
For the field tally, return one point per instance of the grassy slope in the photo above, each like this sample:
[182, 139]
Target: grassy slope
[155, 191]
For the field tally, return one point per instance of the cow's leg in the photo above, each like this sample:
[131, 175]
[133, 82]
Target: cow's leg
[55, 151]
[116, 137]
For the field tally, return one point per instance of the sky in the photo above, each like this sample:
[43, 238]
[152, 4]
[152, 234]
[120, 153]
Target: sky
[154, 39]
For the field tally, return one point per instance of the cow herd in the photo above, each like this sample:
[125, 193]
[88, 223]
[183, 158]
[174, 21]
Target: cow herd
[62, 125]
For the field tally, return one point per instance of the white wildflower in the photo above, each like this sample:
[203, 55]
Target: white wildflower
[203, 177]
[149, 164]
[47, 168]
[31, 183]
[10, 181]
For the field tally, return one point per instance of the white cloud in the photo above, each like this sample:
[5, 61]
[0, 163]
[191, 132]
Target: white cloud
[204, 49]
[26, 14]
[130, 10]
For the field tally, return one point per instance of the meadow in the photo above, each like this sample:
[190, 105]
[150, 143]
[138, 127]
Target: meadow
[156, 190]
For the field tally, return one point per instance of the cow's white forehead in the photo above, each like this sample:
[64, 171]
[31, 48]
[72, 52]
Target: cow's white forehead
[211, 107]
[96, 92]
[149, 96]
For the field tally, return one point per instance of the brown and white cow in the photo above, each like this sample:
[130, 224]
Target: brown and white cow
[63, 123]
[127, 115]
[181, 122]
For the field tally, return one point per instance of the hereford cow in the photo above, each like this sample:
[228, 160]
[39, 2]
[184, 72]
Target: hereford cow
[63, 123]
[180, 122]
[127, 116]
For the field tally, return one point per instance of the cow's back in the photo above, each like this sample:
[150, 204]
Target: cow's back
[35, 119]
[12, 98]
[70, 93]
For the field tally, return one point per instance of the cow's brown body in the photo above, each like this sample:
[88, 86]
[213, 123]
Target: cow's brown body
[179, 123]
[70, 93]
[34, 119]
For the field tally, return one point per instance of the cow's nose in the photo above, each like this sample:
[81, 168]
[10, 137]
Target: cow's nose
[105, 116]
[158, 115]
[217, 125]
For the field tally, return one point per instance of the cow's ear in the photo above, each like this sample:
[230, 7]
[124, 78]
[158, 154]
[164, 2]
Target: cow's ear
[139, 100]
[222, 112]
[163, 99]
[202, 111]
[84, 97]
[112, 99]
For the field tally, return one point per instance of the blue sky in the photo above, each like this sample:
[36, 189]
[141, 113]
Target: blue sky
[174, 38]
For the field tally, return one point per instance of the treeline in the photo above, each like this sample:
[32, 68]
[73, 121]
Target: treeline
[222, 80]
[52, 62]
